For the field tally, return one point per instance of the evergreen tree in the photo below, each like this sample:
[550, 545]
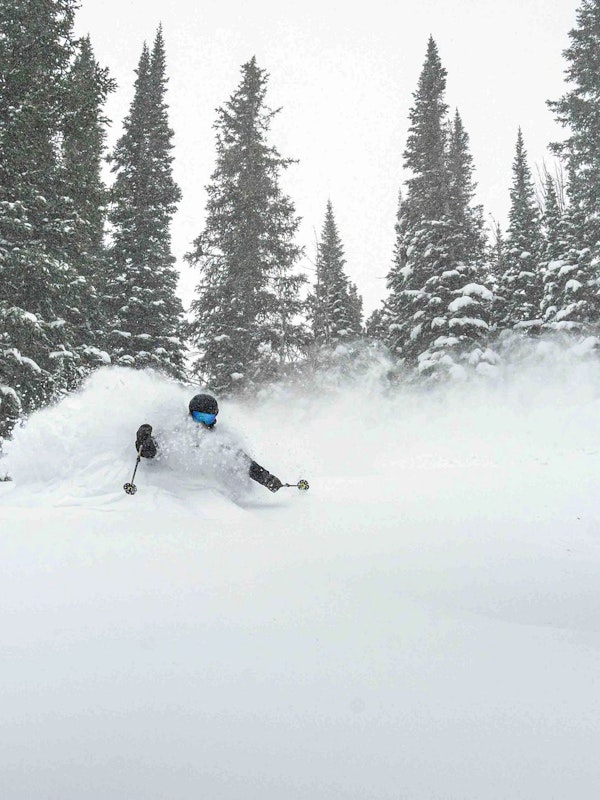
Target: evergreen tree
[336, 306]
[83, 148]
[377, 325]
[421, 249]
[552, 221]
[425, 153]
[554, 250]
[437, 308]
[569, 299]
[41, 294]
[497, 255]
[577, 292]
[496, 259]
[468, 239]
[577, 110]
[84, 136]
[355, 310]
[520, 285]
[140, 294]
[246, 313]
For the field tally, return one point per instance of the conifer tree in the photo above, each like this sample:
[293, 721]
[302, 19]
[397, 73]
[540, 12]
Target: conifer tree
[577, 292]
[497, 253]
[377, 325]
[355, 309]
[336, 306]
[569, 298]
[520, 285]
[83, 149]
[552, 221]
[468, 238]
[41, 295]
[246, 313]
[554, 250]
[496, 261]
[140, 294]
[437, 308]
[428, 187]
[84, 137]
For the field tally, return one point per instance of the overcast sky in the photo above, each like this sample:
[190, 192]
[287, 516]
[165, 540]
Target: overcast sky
[344, 79]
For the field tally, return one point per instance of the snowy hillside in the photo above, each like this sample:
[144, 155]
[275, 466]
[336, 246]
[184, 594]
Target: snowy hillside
[423, 623]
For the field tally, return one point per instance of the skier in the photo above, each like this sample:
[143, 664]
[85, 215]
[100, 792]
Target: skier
[203, 410]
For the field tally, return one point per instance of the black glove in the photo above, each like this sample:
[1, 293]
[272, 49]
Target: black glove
[273, 484]
[144, 443]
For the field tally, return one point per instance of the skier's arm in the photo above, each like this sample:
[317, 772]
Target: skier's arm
[264, 477]
[144, 443]
[258, 473]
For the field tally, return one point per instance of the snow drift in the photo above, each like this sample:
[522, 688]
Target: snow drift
[423, 623]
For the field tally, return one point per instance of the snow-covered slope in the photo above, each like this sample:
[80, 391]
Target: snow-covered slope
[423, 623]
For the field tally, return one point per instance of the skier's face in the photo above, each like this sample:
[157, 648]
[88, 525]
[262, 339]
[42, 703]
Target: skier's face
[208, 420]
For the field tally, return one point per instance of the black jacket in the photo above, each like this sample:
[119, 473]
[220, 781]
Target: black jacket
[147, 448]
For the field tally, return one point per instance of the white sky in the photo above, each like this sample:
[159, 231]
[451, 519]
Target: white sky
[345, 80]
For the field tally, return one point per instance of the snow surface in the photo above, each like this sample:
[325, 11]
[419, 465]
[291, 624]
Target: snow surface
[423, 623]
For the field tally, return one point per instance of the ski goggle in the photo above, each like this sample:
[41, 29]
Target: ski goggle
[206, 419]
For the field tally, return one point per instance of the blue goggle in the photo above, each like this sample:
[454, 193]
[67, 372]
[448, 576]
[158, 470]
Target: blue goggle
[205, 419]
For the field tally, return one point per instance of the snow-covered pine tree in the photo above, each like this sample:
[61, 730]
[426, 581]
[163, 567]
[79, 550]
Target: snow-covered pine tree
[376, 325]
[467, 289]
[421, 248]
[336, 306]
[497, 253]
[140, 300]
[246, 311]
[552, 220]
[520, 285]
[41, 291]
[438, 305]
[578, 279]
[555, 250]
[496, 260]
[468, 239]
[84, 135]
[355, 314]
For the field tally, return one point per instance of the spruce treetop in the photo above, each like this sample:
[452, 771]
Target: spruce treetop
[337, 307]
[140, 295]
[578, 111]
[520, 285]
[247, 309]
[438, 306]
[524, 218]
[468, 239]
[425, 153]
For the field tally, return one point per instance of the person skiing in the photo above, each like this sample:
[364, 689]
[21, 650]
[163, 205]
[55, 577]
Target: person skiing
[203, 410]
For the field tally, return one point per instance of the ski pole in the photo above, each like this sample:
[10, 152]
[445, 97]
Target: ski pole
[302, 484]
[131, 488]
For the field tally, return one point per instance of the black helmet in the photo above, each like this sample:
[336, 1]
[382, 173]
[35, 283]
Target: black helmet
[205, 403]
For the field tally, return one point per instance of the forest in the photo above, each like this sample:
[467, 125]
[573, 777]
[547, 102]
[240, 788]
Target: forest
[88, 277]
